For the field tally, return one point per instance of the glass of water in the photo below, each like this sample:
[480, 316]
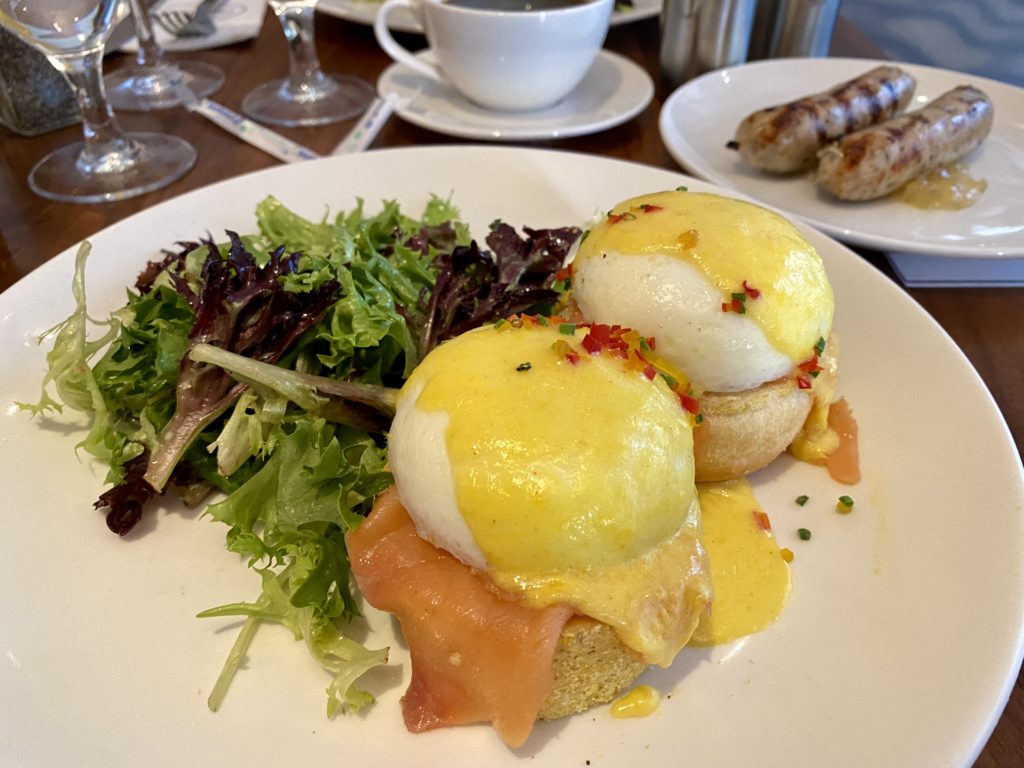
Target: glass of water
[307, 96]
[108, 164]
[156, 82]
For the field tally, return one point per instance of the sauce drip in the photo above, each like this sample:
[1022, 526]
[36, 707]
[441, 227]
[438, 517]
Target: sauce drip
[748, 569]
[844, 462]
[949, 187]
[640, 702]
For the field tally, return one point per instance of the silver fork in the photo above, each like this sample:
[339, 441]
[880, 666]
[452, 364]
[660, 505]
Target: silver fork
[171, 22]
[199, 23]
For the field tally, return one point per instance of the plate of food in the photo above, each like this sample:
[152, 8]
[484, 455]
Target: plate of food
[965, 191]
[365, 12]
[188, 350]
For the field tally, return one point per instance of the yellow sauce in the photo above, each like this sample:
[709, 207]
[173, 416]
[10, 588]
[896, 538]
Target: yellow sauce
[542, 486]
[748, 570]
[949, 187]
[729, 242]
[596, 439]
[639, 702]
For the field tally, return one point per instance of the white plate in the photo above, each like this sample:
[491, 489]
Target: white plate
[613, 91]
[365, 12]
[701, 116]
[898, 647]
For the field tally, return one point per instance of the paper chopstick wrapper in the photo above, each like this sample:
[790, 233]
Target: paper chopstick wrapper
[365, 131]
[275, 144]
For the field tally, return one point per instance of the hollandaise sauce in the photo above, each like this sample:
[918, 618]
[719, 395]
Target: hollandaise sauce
[750, 575]
[639, 702]
[761, 264]
[573, 476]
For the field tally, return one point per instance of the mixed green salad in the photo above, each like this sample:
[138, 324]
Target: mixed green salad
[265, 367]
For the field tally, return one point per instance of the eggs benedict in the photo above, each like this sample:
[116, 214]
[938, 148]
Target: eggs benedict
[541, 545]
[739, 301]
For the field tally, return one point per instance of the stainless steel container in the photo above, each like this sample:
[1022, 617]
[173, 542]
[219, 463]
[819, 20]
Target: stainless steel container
[698, 36]
[784, 28]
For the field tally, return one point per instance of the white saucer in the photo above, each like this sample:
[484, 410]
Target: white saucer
[613, 91]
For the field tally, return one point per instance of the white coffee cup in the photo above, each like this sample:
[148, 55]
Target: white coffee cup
[510, 60]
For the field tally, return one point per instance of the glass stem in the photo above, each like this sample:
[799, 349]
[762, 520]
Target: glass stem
[150, 54]
[107, 149]
[306, 80]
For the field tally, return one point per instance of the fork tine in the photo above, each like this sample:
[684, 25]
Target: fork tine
[171, 22]
[163, 20]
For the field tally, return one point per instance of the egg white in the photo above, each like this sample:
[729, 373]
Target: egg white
[668, 298]
[426, 484]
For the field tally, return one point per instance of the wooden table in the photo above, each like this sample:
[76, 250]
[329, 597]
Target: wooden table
[32, 230]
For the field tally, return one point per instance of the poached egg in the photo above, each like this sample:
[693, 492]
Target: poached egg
[733, 293]
[562, 472]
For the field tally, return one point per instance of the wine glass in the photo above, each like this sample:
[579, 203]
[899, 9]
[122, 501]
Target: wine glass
[154, 82]
[307, 96]
[109, 164]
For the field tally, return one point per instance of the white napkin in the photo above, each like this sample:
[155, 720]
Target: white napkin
[236, 20]
[918, 271]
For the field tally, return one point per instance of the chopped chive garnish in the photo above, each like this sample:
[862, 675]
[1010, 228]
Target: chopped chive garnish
[845, 504]
[524, 366]
[568, 329]
[804, 534]
[802, 499]
[820, 346]
[499, 322]
[672, 383]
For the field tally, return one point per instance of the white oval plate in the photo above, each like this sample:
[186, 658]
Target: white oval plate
[701, 116]
[365, 12]
[898, 647]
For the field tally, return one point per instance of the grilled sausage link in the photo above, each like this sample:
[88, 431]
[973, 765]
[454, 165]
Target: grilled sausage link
[876, 161]
[787, 138]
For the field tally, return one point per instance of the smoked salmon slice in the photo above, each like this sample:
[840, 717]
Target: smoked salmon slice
[478, 654]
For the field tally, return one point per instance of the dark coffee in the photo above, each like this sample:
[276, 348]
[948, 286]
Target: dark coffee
[515, 5]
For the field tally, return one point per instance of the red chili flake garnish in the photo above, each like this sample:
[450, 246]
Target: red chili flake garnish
[650, 343]
[762, 520]
[726, 306]
[601, 333]
[565, 272]
[738, 306]
[650, 372]
[811, 366]
[804, 382]
[690, 404]
[752, 292]
[591, 344]
[649, 208]
[615, 218]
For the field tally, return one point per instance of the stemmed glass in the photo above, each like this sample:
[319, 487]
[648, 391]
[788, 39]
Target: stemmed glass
[154, 82]
[109, 164]
[307, 96]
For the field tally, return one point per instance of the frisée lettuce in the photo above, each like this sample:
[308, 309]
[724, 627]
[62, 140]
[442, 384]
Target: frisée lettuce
[265, 367]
